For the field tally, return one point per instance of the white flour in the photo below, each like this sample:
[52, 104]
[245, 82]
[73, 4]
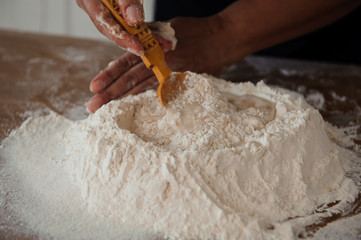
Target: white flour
[224, 161]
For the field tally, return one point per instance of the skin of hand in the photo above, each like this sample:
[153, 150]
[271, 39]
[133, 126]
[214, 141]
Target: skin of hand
[128, 75]
[210, 45]
[131, 10]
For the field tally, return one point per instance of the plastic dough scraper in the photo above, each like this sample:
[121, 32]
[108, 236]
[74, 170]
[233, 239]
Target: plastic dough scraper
[153, 57]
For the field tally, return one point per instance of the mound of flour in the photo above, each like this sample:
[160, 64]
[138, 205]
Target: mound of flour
[223, 161]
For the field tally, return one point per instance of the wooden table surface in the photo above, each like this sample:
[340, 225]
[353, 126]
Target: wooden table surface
[39, 72]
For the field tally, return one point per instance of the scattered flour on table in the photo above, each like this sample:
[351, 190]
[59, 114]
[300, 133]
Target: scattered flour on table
[223, 161]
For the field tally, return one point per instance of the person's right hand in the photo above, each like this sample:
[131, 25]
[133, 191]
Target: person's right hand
[132, 12]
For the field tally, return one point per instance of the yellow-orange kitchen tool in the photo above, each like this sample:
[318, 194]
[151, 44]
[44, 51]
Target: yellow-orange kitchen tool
[153, 56]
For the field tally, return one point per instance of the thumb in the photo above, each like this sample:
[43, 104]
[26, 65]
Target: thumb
[165, 35]
[132, 11]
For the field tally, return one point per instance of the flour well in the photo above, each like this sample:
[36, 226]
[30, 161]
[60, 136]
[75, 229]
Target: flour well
[223, 161]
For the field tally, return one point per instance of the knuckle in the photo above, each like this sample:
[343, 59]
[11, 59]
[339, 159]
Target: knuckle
[129, 61]
[130, 80]
[109, 74]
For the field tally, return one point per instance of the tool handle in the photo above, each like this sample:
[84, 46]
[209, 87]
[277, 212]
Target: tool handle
[141, 32]
[153, 56]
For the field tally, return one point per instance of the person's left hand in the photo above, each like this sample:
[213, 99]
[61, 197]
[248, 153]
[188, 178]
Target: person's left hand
[124, 76]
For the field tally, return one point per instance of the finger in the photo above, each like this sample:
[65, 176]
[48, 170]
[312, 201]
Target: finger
[100, 99]
[96, 102]
[122, 85]
[113, 71]
[132, 11]
[165, 34]
[108, 26]
[166, 45]
[150, 83]
[128, 81]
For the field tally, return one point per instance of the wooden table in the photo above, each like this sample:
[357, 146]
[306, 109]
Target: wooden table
[39, 72]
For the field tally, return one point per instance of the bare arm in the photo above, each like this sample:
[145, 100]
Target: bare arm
[212, 44]
[252, 25]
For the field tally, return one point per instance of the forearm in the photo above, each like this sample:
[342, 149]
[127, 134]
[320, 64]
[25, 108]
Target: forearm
[252, 25]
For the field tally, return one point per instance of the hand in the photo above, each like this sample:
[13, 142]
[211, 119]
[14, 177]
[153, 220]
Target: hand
[124, 76]
[200, 49]
[131, 10]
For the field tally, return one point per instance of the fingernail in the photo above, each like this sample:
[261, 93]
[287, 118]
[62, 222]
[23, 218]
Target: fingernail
[87, 109]
[94, 103]
[134, 14]
[140, 54]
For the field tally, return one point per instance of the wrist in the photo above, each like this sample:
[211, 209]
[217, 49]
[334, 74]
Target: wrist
[231, 41]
